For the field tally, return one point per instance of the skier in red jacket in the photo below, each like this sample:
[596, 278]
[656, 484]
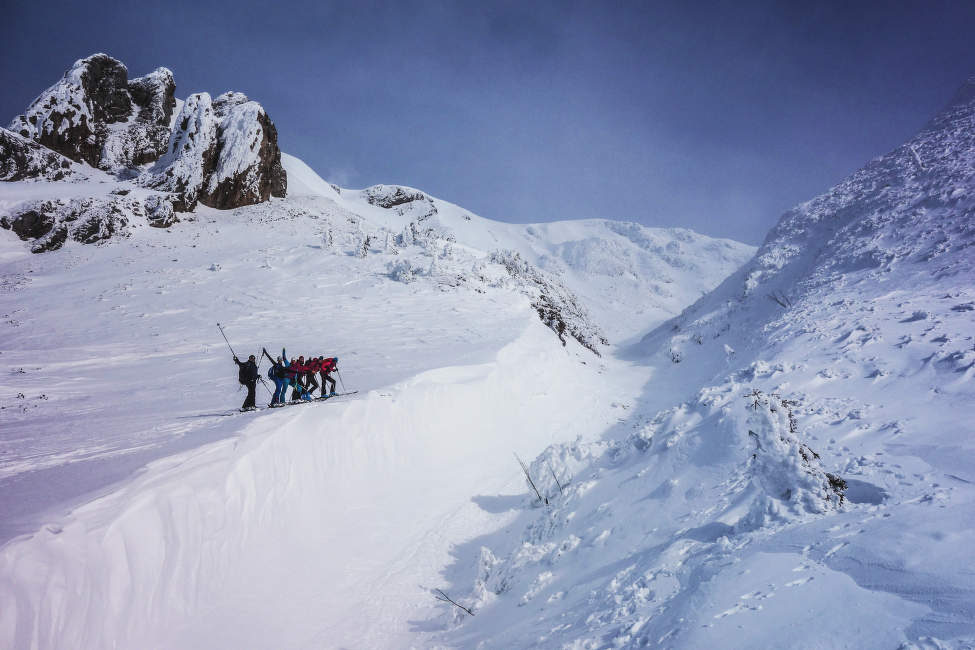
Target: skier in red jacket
[314, 366]
[328, 365]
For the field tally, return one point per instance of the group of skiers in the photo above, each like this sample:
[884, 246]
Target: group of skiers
[298, 374]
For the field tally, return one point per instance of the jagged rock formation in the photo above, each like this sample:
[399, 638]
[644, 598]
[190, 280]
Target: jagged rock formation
[143, 137]
[23, 159]
[95, 115]
[222, 153]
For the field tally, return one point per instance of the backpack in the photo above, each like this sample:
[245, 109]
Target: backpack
[247, 372]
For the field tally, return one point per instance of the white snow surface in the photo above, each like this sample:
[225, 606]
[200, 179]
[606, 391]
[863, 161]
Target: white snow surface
[140, 510]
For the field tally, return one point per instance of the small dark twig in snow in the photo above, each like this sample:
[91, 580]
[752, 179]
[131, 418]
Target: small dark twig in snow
[556, 479]
[447, 599]
[528, 476]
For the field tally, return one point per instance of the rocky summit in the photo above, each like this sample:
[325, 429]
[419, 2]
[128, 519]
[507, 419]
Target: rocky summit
[112, 137]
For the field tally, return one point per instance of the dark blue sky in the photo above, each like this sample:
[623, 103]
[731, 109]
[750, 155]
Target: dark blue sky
[715, 116]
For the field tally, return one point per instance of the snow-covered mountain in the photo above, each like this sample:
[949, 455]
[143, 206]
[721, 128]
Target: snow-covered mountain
[137, 512]
[726, 447]
[799, 469]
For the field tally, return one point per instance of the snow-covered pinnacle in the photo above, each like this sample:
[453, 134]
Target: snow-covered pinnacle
[66, 116]
[222, 153]
[155, 95]
[248, 168]
[95, 115]
[191, 155]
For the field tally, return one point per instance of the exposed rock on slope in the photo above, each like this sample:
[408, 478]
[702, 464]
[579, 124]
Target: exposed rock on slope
[223, 153]
[23, 159]
[48, 224]
[557, 307]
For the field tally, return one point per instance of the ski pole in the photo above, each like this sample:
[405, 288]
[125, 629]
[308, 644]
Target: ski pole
[225, 339]
[263, 383]
[344, 389]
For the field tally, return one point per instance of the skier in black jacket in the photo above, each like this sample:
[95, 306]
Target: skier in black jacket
[247, 375]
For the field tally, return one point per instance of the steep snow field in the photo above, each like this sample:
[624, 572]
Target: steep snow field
[139, 511]
[710, 517]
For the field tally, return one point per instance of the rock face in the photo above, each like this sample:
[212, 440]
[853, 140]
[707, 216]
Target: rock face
[222, 153]
[143, 137]
[23, 159]
[71, 117]
[390, 196]
[248, 167]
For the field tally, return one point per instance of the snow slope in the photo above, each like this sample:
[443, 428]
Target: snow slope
[138, 512]
[706, 517]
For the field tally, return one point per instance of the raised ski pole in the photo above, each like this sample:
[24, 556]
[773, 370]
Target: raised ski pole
[220, 327]
[263, 383]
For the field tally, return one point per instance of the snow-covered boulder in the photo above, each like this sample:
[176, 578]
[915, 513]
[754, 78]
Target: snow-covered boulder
[49, 224]
[390, 196]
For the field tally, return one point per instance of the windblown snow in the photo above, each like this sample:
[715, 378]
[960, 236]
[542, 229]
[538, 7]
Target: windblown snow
[722, 447]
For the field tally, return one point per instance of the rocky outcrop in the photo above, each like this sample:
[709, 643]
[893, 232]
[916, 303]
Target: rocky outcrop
[390, 196]
[191, 154]
[71, 116]
[95, 115]
[23, 159]
[555, 304]
[47, 225]
[144, 136]
[248, 168]
[222, 153]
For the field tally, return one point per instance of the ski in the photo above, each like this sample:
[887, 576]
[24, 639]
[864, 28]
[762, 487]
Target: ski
[310, 401]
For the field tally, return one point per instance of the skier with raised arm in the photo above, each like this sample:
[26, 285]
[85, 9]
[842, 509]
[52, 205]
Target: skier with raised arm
[247, 375]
